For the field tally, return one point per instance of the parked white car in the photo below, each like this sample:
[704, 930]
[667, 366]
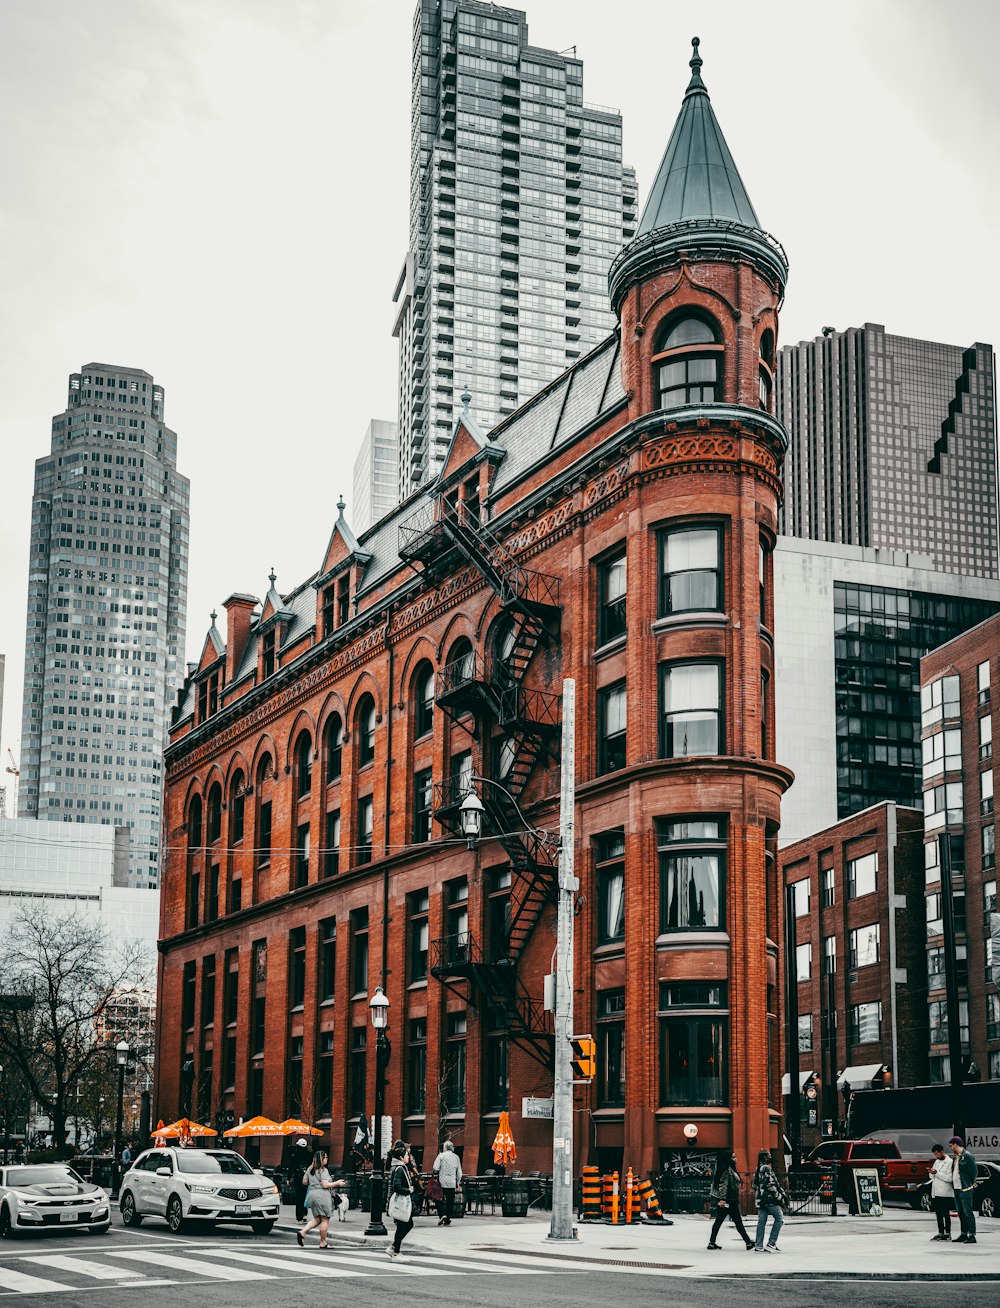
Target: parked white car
[198, 1185]
[40, 1196]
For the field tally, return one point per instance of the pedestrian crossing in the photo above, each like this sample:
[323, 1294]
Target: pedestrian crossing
[179, 1262]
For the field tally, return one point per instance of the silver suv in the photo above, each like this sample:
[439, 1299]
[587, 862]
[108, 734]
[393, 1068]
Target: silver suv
[198, 1185]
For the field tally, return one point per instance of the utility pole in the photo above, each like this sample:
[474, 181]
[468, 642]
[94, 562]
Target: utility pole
[561, 1225]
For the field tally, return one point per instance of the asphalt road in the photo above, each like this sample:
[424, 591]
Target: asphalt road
[150, 1268]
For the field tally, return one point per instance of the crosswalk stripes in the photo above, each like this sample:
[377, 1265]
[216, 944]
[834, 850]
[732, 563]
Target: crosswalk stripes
[85, 1267]
[193, 1263]
[179, 1263]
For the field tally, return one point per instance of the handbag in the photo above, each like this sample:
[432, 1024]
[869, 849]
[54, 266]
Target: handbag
[400, 1207]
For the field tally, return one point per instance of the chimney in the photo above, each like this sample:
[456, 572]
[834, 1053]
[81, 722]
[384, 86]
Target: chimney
[239, 609]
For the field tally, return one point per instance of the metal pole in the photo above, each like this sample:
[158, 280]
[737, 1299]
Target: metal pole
[793, 1108]
[116, 1170]
[561, 1225]
[951, 984]
[375, 1224]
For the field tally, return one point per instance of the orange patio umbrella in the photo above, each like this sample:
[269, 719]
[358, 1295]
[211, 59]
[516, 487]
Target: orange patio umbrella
[292, 1126]
[256, 1126]
[182, 1127]
[504, 1149]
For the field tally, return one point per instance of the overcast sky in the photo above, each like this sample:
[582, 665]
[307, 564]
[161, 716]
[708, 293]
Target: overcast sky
[216, 191]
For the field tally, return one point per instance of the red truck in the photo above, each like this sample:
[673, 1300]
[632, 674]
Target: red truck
[899, 1177]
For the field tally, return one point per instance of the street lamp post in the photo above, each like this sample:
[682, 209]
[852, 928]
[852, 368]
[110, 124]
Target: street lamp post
[100, 1121]
[3, 1092]
[121, 1053]
[378, 1006]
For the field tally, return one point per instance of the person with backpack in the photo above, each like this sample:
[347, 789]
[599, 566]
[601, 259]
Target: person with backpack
[725, 1196]
[770, 1196]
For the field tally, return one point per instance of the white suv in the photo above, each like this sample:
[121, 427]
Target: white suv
[198, 1185]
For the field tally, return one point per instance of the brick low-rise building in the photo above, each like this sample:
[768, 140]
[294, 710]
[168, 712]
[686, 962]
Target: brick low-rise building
[617, 529]
[960, 728]
[856, 894]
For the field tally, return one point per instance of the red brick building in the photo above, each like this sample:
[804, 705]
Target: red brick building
[960, 723]
[860, 955]
[616, 529]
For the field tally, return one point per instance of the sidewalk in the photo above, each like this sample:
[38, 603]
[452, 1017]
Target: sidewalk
[897, 1246]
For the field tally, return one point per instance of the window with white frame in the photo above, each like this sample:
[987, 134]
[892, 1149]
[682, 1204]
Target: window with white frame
[803, 961]
[986, 737]
[800, 894]
[942, 753]
[862, 876]
[939, 701]
[985, 793]
[864, 945]
[983, 682]
[866, 1023]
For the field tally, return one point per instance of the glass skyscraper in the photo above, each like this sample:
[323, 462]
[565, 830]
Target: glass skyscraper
[518, 203]
[376, 475]
[107, 596]
[892, 444]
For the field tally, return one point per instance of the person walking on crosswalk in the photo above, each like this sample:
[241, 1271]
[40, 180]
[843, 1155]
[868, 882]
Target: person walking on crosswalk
[319, 1199]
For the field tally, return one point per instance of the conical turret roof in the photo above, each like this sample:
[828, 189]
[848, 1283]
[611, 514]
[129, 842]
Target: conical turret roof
[697, 177]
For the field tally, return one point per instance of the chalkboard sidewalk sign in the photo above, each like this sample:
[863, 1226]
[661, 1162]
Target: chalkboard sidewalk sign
[868, 1192]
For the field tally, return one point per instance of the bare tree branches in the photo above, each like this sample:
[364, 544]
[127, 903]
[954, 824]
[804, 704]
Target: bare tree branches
[79, 993]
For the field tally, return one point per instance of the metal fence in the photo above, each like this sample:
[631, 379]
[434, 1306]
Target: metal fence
[809, 1192]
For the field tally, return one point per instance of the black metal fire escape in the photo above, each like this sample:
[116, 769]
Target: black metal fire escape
[492, 688]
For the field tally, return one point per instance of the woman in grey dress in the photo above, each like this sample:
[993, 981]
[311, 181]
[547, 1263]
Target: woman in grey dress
[319, 1198]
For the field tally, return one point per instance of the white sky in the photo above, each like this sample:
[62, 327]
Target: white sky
[217, 191]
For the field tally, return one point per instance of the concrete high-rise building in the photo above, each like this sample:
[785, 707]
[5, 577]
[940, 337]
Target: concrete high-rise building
[518, 203]
[376, 475]
[107, 594]
[893, 443]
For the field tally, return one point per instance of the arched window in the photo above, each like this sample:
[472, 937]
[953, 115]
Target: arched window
[192, 906]
[303, 765]
[214, 813]
[766, 368]
[265, 775]
[688, 364]
[462, 662]
[333, 747]
[504, 644]
[194, 825]
[237, 806]
[366, 731]
[423, 694]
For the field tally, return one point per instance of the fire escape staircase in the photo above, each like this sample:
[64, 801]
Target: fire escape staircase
[493, 688]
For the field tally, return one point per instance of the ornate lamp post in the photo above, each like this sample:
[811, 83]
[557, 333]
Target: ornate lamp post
[121, 1053]
[378, 1006]
[3, 1093]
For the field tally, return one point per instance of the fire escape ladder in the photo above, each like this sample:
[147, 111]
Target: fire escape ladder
[459, 960]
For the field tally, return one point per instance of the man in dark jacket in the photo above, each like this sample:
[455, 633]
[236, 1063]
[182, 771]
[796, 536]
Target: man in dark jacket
[964, 1179]
[301, 1156]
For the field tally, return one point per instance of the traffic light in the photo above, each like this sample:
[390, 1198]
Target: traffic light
[584, 1057]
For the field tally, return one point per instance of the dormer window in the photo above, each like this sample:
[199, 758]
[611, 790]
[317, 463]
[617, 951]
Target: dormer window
[329, 609]
[688, 364]
[343, 601]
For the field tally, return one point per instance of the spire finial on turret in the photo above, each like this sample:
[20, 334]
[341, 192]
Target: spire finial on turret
[213, 616]
[466, 400]
[695, 84]
[272, 576]
[341, 505]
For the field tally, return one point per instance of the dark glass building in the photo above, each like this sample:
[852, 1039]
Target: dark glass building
[881, 636]
[893, 444]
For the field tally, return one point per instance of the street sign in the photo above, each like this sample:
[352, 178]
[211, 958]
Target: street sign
[387, 1140]
[531, 1107]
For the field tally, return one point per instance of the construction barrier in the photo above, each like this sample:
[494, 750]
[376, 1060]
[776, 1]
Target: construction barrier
[590, 1206]
[632, 1204]
[615, 1200]
[647, 1195]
